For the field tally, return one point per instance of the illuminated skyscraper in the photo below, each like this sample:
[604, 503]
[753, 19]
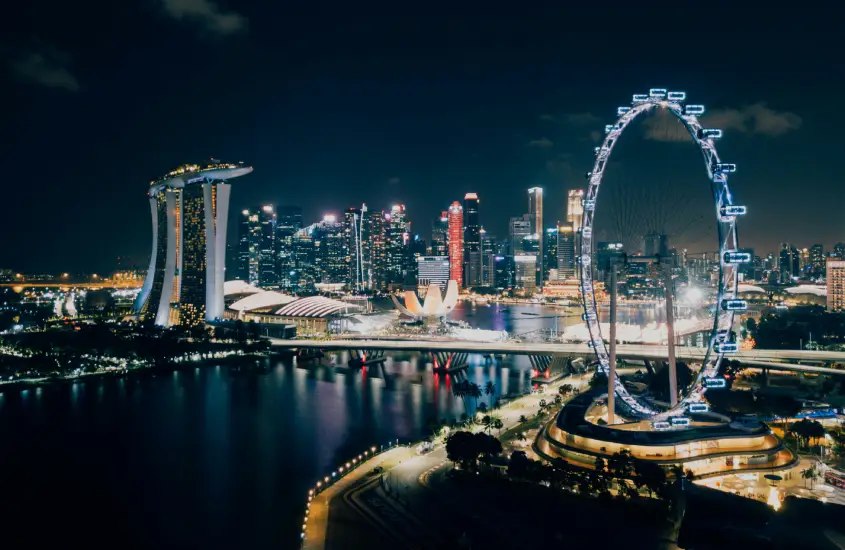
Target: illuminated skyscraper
[488, 259]
[439, 234]
[456, 244]
[785, 262]
[535, 213]
[835, 285]
[472, 241]
[566, 252]
[817, 260]
[288, 222]
[396, 255]
[249, 230]
[190, 207]
[575, 208]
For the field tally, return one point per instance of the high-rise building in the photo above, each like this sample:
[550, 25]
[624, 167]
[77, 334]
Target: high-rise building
[656, 244]
[396, 255]
[575, 208]
[288, 222]
[519, 229]
[785, 262]
[455, 243]
[432, 270]
[566, 253]
[502, 272]
[330, 248]
[257, 254]
[839, 251]
[488, 259]
[249, 235]
[190, 211]
[535, 213]
[439, 234]
[835, 285]
[472, 241]
[817, 260]
[525, 270]
[267, 254]
[550, 250]
[796, 262]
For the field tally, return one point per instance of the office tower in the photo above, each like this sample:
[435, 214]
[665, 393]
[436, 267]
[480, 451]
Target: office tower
[519, 229]
[747, 271]
[267, 257]
[796, 262]
[839, 251]
[305, 272]
[432, 270]
[785, 262]
[605, 252]
[502, 272]
[566, 253]
[439, 232]
[535, 213]
[396, 245]
[249, 232]
[575, 208]
[550, 250]
[377, 222]
[656, 244]
[525, 270]
[190, 211]
[455, 243]
[472, 241]
[488, 259]
[330, 249]
[288, 222]
[835, 285]
[817, 260]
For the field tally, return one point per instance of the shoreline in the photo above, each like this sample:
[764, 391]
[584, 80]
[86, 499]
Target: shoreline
[25, 384]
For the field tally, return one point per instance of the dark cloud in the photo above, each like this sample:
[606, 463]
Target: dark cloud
[755, 119]
[542, 143]
[46, 68]
[207, 15]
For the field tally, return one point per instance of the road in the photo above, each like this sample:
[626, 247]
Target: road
[399, 506]
[773, 359]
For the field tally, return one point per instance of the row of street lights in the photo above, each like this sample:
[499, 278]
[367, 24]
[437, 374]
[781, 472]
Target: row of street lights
[342, 470]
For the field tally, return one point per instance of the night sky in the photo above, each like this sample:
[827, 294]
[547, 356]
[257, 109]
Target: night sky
[333, 108]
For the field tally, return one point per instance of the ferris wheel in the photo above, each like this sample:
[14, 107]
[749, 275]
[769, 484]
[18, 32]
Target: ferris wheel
[727, 302]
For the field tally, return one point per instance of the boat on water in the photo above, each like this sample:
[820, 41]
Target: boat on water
[529, 313]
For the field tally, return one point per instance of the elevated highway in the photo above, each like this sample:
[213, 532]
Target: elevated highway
[769, 359]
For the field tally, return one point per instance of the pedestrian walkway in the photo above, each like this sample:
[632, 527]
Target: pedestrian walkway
[318, 518]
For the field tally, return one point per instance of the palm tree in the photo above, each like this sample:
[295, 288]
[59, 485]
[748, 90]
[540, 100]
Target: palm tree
[523, 419]
[487, 422]
[474, 391]
[808, 473]
[490, 391]
[498, 424]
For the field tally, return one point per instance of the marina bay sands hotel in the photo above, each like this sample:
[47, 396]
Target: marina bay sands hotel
[190, 210]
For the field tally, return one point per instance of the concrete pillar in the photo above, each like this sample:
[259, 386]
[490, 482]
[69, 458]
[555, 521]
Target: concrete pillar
[611, 371]
[670, 332]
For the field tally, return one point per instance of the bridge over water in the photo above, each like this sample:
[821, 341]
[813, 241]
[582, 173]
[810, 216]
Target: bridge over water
[769, 359]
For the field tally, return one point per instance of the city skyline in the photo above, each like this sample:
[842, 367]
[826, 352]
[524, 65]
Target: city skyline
[353, 121]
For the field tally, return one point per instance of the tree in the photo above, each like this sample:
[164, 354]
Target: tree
[621, 464]
[523, 419]
[498, 425]
[490, 392]
[600, 464]
[650, 475]
[461, 449]
[482, 407]
[807, 430]
[474, 391]
[808, 474]
[565, 389]
[519, 464]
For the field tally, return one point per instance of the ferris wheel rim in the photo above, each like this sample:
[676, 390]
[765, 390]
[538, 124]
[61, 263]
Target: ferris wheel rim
[726, 233]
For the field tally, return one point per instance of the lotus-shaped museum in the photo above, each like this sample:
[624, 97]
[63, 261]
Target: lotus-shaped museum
[435, 307]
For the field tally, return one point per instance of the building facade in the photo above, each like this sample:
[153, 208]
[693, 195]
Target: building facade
[472, 241]
[835, 285]
[432, 270]
[535, 214]
[455, 243]
[575, 208]
[189, 207]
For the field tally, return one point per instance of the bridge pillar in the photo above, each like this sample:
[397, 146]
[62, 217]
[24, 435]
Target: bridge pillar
[365, 358]
[448, 362]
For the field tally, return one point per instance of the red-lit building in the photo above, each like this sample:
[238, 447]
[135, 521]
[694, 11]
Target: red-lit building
[456, 243]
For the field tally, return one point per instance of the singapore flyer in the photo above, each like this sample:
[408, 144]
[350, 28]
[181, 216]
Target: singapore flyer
[726, 212]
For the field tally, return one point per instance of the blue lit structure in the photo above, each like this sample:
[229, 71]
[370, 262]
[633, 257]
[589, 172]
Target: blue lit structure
[726, 216]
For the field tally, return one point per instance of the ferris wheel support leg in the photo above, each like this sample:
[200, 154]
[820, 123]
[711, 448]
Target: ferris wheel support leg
[670, 334]
[611, 371]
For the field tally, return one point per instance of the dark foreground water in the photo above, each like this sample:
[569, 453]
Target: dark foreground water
[214, 457]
